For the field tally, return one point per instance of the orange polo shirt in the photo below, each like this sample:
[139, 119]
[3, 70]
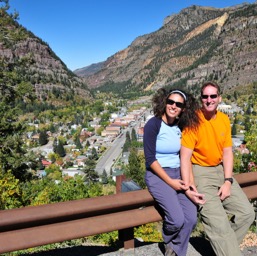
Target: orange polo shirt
[208, 141]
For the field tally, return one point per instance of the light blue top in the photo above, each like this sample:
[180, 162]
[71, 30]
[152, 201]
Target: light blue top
[162, 143]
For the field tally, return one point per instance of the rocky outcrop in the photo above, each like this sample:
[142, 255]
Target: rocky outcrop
[35, 62]
[198, 44]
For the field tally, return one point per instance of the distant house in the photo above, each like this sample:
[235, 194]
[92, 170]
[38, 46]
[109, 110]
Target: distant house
[71, 172]
[47, 150]
[140, 133]
[41, 173]
[113, 133]
[113, 128]
[116, 173]
[45, 163]
[74, 126]
[80, 160]
[85, 133]
[225, 108]
[96, 146]
[95, 122]
[120, 122]
[114, 115]
[49, 133]
[35, 137]
[130, 117]
[29, 135]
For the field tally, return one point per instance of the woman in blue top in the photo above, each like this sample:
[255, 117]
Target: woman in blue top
[173, 111]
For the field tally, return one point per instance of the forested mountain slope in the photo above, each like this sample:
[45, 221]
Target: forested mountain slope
[197, 44]
[25, 58]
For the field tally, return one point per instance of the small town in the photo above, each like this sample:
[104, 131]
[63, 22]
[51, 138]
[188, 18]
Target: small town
[119, 123]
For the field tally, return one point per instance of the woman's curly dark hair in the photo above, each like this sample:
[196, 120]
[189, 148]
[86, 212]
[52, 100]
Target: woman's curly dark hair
[188, 118]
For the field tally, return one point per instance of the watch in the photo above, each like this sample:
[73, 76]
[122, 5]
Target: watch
[229, 179]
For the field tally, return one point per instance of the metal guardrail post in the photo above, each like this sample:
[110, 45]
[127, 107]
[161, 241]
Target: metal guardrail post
[127, 236]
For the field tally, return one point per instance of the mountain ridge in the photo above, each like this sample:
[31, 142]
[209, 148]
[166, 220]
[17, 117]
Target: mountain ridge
[194, 45]
[197, 44]
[32, 61]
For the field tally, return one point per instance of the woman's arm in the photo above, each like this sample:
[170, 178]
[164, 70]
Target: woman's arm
[177, 184]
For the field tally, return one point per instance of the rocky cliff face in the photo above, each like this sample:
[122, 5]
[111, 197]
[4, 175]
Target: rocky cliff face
[198, 44]
[34, 62]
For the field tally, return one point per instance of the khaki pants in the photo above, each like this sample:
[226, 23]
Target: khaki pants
[225, 222]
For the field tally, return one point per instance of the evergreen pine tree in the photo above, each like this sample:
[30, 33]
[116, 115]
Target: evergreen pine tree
[127, 143]
[87, 144]
[78, 143]
[55, 143]
[13, 154]
[234, 131]
[60, 149]
[94, 154]
[43, 138]
[248, 110]
[133, 135]
[89, 170]
[104, 177]
[128, 137]
[247, 123]
[134, 171]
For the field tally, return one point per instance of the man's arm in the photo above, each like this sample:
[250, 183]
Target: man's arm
[228, 159]
[186, 165]
[187, 175]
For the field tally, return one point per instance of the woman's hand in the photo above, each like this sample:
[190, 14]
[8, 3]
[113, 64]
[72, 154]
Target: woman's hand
[178, 184]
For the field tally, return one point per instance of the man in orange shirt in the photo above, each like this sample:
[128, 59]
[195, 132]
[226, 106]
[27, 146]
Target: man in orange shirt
[207, 165]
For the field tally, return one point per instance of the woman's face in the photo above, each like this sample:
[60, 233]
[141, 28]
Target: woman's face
[174, 106]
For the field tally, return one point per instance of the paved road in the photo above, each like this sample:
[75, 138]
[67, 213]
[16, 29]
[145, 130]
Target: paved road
[111, 154]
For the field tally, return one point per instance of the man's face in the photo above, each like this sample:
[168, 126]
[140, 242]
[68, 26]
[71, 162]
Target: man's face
[210, 99]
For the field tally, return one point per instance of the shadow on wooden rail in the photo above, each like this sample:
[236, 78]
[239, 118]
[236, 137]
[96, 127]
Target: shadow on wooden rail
[39, 225]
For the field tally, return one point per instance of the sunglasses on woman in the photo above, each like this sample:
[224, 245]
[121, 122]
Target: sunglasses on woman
[177, 103]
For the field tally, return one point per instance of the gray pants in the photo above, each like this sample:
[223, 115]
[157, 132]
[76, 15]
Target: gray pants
[225, 222]
[179, 213]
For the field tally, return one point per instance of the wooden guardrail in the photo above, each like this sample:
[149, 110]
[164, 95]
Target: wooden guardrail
[33, 226]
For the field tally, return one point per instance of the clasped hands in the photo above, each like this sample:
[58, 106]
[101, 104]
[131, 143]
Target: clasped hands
[190, 191]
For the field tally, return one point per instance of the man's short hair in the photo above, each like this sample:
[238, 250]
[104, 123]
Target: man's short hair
[210, 83]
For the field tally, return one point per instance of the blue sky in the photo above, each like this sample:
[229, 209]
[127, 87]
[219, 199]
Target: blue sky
[83, 32]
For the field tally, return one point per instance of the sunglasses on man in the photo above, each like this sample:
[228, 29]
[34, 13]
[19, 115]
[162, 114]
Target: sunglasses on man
[212, 96]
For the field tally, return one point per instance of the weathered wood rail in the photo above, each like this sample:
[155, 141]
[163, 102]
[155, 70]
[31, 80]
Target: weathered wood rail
[39, 225]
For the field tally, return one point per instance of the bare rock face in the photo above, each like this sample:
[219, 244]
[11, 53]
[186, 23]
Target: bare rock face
[35, 62]
[198, 44]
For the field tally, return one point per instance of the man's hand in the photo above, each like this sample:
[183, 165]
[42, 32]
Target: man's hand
[225, 191]
[194, 196]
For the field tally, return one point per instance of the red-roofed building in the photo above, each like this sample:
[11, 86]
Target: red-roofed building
[45, 163]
